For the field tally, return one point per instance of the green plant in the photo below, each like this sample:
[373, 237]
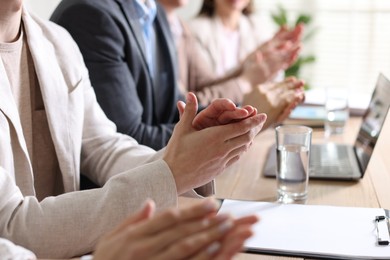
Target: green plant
[281, 19]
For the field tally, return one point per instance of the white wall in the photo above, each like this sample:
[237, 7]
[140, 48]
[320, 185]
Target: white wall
[356, 64]
[191, 9]
[44, 8]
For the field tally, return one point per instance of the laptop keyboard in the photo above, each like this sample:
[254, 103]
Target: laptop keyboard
[330, 159]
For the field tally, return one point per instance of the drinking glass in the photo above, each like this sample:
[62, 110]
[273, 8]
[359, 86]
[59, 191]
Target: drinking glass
[337, 112]
[293, 155]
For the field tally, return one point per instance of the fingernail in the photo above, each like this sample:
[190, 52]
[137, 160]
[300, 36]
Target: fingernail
[263, 117]
[214, 247]
[225, 226]
[189, 98]
[222, 217]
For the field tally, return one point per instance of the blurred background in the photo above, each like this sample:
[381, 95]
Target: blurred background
[348, 45]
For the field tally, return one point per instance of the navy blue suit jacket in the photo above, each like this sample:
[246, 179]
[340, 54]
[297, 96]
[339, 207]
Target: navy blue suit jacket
[110, 39]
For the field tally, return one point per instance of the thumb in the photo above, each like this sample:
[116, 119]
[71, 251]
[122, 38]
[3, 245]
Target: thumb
[190, 110]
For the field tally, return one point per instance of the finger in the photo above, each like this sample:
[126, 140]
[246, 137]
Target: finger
[166, 241]
[233, 116]
[293, 83]
[222, 104]
[199, 244]
[144, 213]
[220, 111]
[232, 161]
[298, 31]
[294, 53]
[234, 130]
[283, 29]
[286, 112]
[234, 243]
[190, 110]
[300, 93]
[289, 96]
[250, 219]
[181, 106]
[171, 217]
[292, 89]
[231, 243]
[202, 120]
[235, 154]
[289, 79]
[251, 110]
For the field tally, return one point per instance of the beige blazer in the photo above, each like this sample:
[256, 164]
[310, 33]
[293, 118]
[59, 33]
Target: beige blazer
[196, 75]
[70, 224]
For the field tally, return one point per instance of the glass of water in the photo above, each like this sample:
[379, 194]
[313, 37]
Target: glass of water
[337, 112]
[293, 155]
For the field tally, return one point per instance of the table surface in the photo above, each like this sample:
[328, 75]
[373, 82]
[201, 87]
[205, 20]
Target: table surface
[244, 179]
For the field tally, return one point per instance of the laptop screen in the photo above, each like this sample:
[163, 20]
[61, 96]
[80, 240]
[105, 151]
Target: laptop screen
[373, 121]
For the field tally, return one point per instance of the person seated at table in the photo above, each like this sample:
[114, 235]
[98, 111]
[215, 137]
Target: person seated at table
[241, 84]
[52, 127]
[130, 54]
[222, 21]
[146, 235]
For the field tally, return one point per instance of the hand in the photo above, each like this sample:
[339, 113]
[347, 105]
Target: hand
[281, 58]
[221, 111]
[282, 50]
[196, 157]
[262, 66]
[195, 232]
[294, 35]
[293, 99]
[283, 36]
[277, 99]
[254, 69]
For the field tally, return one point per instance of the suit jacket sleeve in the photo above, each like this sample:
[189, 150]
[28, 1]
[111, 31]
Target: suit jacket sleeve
[101, 40]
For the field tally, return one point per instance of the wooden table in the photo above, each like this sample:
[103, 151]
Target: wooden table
[244, 179]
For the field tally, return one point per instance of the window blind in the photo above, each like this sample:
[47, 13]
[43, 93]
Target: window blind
[352, 44]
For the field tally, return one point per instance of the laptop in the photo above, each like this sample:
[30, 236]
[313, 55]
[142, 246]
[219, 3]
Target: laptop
[341, 161]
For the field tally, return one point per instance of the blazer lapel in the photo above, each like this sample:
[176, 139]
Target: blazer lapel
[167, 36]
[54, 95]
[8, 107]
[129, 11]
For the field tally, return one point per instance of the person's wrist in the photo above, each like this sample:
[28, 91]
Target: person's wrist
[176, 177]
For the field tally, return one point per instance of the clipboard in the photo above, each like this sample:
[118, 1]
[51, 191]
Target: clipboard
[325, 232]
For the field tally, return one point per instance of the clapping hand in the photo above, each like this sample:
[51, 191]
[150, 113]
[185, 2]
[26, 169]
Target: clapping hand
[195, 232]
[195, 156]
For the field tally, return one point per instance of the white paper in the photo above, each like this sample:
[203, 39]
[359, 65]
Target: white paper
[312, 230]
